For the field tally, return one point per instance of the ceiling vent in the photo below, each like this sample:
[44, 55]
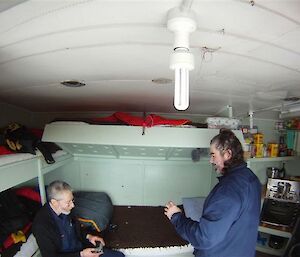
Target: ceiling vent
[73, 83]
[162, 81]
[291, 99]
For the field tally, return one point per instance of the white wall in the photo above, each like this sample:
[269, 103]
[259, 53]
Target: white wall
[267, 127]
[10, 113]
[138, 182]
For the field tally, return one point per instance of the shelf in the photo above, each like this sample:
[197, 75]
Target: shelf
[274, 231]
[274, 159]
[266, 248]
[269, 250]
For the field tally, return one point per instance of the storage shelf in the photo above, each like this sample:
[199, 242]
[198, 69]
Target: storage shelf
[266, 233]
[276, 232]
[274, 159]
[269, 250]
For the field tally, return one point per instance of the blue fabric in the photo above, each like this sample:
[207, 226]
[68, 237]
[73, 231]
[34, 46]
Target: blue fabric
[193, 207]
[229, 223]
[111, 253]
[69, 239]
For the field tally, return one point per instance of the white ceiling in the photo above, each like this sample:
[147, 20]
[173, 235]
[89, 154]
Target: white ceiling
[247, 55]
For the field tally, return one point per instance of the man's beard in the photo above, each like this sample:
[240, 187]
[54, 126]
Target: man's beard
[218, 172]
[65, 212]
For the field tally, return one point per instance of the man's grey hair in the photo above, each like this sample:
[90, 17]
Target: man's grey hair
[56, 188]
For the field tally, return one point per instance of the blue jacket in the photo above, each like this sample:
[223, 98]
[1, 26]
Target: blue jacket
[229, 223]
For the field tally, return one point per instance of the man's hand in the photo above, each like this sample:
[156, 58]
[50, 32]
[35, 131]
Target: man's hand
[170, 209]
[93, 239]
[89, 252]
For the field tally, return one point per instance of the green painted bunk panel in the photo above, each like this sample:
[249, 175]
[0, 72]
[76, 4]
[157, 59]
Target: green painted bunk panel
[126, 141]
[18, 172]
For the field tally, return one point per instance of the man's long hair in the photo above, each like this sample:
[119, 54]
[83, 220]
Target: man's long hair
[226, 140]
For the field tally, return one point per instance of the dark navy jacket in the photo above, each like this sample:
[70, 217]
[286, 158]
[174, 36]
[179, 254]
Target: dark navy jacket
[48, 235]
[229, 223]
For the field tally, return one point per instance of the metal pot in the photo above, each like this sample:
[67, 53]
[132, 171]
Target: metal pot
[273, 172]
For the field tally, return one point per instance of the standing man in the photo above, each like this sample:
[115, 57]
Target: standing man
[57, 234]
[229, 223]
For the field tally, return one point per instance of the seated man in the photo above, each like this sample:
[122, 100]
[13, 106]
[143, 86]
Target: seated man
[57, 234]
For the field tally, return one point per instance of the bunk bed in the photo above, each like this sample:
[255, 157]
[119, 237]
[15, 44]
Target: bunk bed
[115, 141]
[125, 142]
[19, 168]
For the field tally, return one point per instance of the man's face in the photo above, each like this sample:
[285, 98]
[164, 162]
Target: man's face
[66, 202]
[217, 158]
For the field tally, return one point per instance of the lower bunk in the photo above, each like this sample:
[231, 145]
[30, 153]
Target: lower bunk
[144, 231]
[137, 231]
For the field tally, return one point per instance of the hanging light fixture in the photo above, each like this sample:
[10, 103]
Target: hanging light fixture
[181, 22]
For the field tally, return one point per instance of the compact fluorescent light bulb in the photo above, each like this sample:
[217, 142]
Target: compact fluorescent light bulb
[182, 62]
[182, 23]
[181, 94]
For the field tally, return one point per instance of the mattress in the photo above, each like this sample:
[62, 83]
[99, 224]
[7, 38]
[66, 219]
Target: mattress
[18, 157]
[144, 231]
[12, 158]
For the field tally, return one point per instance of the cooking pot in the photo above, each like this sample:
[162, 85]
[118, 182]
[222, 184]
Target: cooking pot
[276, 242]
[273, 172]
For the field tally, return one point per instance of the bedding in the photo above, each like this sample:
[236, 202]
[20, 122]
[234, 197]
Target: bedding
[13, 158]
[18, 157]
[122, 118]
[28, 248]
[17, 210]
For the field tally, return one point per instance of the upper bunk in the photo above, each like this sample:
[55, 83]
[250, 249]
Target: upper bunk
[21, 167]
[115, 141]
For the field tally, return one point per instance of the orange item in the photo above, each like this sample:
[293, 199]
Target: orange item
[18, 237]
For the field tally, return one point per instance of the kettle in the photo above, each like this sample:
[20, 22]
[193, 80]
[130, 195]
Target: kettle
[273, 172]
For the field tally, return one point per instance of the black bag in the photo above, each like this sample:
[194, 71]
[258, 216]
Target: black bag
[93, 209]
[13, 216]
[18, 139]
[21, 140]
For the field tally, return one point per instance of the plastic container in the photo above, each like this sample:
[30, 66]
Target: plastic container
[221, 122]
[258, 138]
[273, 150]
[259, 150]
